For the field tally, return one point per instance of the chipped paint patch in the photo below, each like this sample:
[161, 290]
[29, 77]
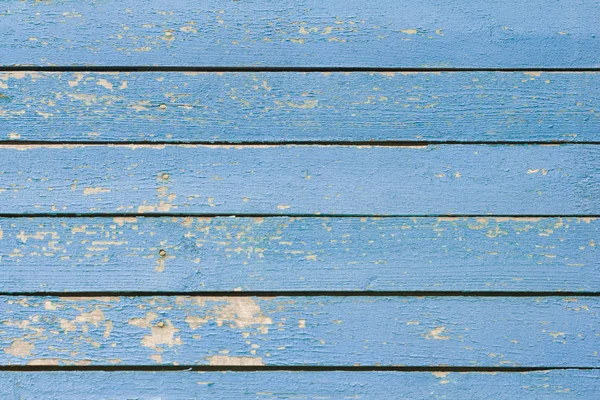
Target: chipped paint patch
[305, 104]
[20, 348]
[240, 312]
[44, 362]
[120, 221]
[145, 322]
[162, 333]
[436, 334]
[94, 317]
[105, 84]
[95, 190]
[235, 361]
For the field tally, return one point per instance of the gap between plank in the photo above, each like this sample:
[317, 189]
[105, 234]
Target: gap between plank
[288, 215]
[147, 68]
[304, 143]
[206, 368]
[309, 293]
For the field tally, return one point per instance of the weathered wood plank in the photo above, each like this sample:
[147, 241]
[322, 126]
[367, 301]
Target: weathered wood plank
[348, 180]
[557, 384]
[299, 254]
[461, 331]
[280, 107]
[336, 33]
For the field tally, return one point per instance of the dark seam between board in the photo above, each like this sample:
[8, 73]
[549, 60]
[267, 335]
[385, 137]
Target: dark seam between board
[203, 368]
[303, 143]
[308, 293]
[288, 215]
[147, 68]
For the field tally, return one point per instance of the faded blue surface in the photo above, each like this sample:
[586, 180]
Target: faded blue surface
[282, 253]
[309, 33]
[347, 180]
[75, 245]
[281, 107]
[565, 384]
[334, 331]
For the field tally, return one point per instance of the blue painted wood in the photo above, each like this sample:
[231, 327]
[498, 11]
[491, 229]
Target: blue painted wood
[444, 179]
[559, 384]
[282, 107]
[190, 255]
[350, 33]
[335, 331]
[298, 254]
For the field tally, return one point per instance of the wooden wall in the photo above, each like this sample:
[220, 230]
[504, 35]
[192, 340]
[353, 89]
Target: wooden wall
[299, 199]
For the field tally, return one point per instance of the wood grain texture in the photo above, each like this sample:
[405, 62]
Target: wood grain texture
[356, 33]
[282, 107]
[299, 254]
[559, 384]
[285, 331]
[292, 180]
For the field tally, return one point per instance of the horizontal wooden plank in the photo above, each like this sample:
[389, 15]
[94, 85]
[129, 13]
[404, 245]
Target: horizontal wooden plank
[348, 180]
[299, 254]
[336, 33]
[284, 331]
[282, 107]
[558, 384]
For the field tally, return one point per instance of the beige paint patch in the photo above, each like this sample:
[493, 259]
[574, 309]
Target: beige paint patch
[108, 330]
[243, 311]
[45, 361]
[88, 99]
[19, 348]
[305, 104]
[95, 190]
[240, 312]
[103, 299]
[436, 334]
[75, 82]
[162, 334]
[157, 358]
[145, 209]
[48, 305]
[235, 361]
[145, 322]
[93, 317]
[67, 326]
[122, 220]
[195, 322]
[535, 171]
[104, 83]
[160, 265]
